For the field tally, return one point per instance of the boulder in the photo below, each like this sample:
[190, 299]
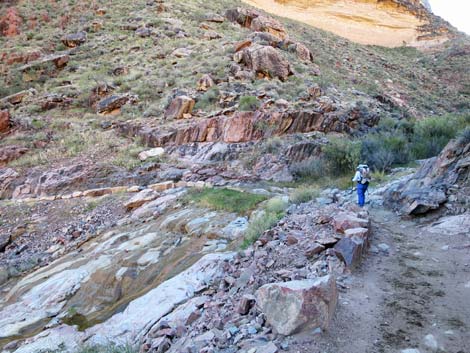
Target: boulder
[265, 61]
[18, 97]
[345, 220]
[303, 53]
[112, 103]
[292, 306]
[349, 250]
[179, 107]
[7, 176]
[215, 18]
[204, 83]
[255, 21]
[143, 32]
[428, 188]
[154, 152]
[10, 153]
[314, 249]
[246, 303]
[4, 120]
[5, 239]
[181, 52]
[10, 22]
[141, 198]
[73, 40]
[210, 35]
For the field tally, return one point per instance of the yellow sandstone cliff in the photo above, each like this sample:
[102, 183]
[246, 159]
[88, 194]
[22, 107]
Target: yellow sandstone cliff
[388, 23]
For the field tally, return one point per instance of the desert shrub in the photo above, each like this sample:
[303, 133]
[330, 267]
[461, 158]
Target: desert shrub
[311, 168]
[110, 348]
[432, 134]
[273, 211]
[272, 145]
[248, 103]
[382, 150]
[342, 155]
[258, 226]
[208, 99]
[304, 194]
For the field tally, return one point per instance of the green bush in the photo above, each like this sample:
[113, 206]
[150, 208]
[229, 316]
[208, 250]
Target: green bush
[208, 100]
[432, 134]
[225, 199]
[273, 211]
[342, 155]
[248, 103]
[382, 150]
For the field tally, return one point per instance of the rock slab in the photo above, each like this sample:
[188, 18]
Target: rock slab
[292, 306]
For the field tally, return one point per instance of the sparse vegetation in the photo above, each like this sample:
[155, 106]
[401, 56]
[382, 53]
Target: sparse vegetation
[110, 348]
[225, 199]
[248, 103]
[304, 194]
[266, 218]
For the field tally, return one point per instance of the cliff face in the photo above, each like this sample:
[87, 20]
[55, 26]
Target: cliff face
[388, 23]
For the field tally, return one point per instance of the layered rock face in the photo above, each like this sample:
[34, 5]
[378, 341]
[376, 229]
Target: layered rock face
[441, 179]
[241, 127]
[389, 23]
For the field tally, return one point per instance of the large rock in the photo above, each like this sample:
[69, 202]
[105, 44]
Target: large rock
[4, 120]
[113, 103]
[180, 107]
[7, 176]
[10, 23]
[265, 60]
[204, 83]
[10, 153]
[140, 198]
[74, 39]
[429, 187]
[154, 152]
[346, 220]
[350, 250]
[255, 21]
[292, 306]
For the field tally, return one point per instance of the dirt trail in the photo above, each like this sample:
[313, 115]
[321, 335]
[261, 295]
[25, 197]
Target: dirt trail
[420, 288]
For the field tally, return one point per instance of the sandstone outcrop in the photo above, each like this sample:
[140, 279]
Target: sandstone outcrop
[113, 103]
[293, 306]
[10, 23]
[265, 61]
[7, 176]
[73, 40]
[180, 107]
[429, 188]
[10, 153]
[241, 127]
[387, 23]
[4, 120]
[256, 21]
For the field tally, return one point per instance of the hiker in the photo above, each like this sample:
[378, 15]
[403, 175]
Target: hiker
[362, 178]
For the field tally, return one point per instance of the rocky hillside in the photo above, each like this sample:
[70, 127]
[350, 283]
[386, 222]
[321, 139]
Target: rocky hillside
[87, 89]
[390, 23]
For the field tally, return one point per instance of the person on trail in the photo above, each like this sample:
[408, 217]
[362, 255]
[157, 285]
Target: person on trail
[362, 178]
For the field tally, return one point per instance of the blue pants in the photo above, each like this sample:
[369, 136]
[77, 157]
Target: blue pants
[361, 193]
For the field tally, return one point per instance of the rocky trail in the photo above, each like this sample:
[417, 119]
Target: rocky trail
[410, 295]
